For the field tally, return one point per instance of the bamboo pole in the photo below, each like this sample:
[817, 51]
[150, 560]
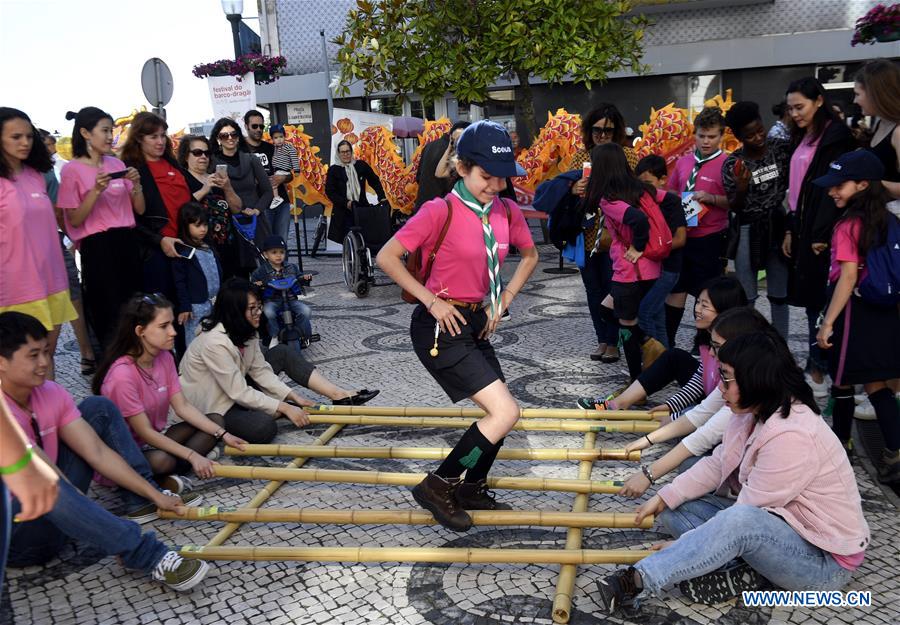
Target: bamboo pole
[565, 583]
[406, 517]
[428, 453]
[456, 411]
[418, 554]
[411, 479]
[269, 489]
[535, 425]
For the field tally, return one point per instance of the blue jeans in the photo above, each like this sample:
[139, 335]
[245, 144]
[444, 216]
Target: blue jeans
[198, 311]
[652, 312]
[597, 278]
[279, 219]
[301, 312]
[712, 531]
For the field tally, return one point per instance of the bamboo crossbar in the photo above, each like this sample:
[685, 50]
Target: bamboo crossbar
[411, 479]
[533, 425]
[537, 518]
[417, 554]
[269, 489]
[455, 411]
[428, 453]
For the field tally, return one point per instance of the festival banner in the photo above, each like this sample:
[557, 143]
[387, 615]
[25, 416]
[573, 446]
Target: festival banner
[232, 96]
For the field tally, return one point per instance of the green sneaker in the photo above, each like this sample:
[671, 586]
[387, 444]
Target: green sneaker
[179, 574]
[147, 513]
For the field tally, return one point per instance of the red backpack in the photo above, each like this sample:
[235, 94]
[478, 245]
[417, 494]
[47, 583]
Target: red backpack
[659, 243]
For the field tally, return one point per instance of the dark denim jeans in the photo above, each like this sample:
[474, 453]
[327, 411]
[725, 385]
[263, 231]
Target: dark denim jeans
[652, 312]
[279, 219]
[597, 278]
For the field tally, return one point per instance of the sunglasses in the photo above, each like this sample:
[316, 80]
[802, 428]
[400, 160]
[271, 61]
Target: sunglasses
[226, 136]
[198, 152]
[257, 126]
[726, 381]
[609, 130]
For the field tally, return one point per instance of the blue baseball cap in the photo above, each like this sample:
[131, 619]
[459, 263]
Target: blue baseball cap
[273, 242]
[488, 144]
[856, 165]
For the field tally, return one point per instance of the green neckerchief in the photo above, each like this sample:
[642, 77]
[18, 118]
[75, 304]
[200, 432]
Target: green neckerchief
[698, 163]
[490, 241]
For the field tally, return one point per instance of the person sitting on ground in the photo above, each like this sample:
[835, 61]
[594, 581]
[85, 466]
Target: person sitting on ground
[702, 426]
[218, 363]
[76, 441]
[138, 374]
[794, 516]
[696, 378]
[274, 250]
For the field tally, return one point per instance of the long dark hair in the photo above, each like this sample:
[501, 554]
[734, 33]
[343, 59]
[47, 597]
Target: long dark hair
[811, 89]
[230, 310]
[86, 118]
[38, 158]
[143, 124]
[606, 111]
[612, 178]
[870, 207]
[140, 310]
[735, 322]
[724, 294]
[767, 374]
[217, 128]
[881, 81]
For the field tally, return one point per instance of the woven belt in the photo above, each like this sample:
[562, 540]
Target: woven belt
[466, 305]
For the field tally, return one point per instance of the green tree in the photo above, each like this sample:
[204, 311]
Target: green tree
[434, 47]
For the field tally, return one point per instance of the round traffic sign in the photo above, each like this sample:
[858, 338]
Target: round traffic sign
[156, 81]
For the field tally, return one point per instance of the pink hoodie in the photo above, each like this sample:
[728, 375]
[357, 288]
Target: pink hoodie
[795, 468]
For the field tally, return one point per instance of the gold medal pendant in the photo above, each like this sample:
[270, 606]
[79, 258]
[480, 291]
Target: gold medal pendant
[484, 219]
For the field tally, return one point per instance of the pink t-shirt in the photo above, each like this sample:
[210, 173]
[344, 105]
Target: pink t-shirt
[31, 260]
[460, 267]
[709, 179]
[53, 409]
[800, 161]
[111, 210]
[710, 370]
[134, 390]
[623, 269]
[845, 248]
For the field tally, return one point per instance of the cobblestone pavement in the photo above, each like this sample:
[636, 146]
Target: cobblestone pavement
[543, 348]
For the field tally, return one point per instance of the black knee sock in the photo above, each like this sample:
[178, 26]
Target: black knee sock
[842, 412]
[480, 470]
[606, 314]
[888, 414]
[631, 337]
[468, 451]
[673, 320]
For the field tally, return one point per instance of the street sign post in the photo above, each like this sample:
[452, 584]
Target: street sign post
[156, 81]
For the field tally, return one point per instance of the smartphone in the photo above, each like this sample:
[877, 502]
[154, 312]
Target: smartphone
[117, 174]
[221, 170]
[183, 250]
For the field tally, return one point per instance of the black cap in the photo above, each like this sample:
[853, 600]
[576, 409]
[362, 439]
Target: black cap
[273, 241]
[856, 165]
[488, 144]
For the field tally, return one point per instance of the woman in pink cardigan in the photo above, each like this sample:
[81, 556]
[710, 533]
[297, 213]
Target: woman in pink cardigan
[776, 501]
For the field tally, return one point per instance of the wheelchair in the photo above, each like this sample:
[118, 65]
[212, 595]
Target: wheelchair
[372, 228]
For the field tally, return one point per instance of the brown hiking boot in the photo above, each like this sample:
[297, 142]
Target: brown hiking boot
[438, 496]
[476, 496]
[650, 351]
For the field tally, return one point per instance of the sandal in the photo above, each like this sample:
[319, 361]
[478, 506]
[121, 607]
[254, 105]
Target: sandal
[88, 366]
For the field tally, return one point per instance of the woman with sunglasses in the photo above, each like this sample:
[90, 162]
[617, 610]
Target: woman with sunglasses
[776, 501]
[215, 191]
[247, 174]
[602, 125]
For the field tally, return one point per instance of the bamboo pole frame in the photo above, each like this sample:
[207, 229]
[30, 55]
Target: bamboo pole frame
[532, 425]
[428, 453]
[535, 518]
[458, 411]
[417, 554]
[269, 489]
[565, 583]
[411, 479]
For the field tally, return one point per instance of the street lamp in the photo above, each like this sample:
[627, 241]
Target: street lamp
[233, 10]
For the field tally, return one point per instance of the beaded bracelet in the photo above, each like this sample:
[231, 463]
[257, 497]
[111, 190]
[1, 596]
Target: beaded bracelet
[647, 473]
[20, 464]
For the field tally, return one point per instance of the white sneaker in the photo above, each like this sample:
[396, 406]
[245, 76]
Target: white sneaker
[865, 411]
[177, 484]
[179, 574]
[821, 390]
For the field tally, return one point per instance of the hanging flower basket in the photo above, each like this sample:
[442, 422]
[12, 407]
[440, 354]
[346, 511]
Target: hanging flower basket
[880, 24]
[265, 69]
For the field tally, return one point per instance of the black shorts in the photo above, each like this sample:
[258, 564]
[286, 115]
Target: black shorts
[627, 297]
[703, 260]
[465, 364]
[871, 352]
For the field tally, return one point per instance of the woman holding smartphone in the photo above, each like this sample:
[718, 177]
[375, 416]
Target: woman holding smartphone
[99, 199]
[215, 191]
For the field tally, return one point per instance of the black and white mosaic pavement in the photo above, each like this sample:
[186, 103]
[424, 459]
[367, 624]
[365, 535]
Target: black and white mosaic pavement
[544, 350]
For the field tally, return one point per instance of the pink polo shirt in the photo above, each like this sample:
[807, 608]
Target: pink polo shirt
[52, 408]
[31, 260]
[112, 208]
[460, 267]
[134, 390]
[845, 248]
[709, 179]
